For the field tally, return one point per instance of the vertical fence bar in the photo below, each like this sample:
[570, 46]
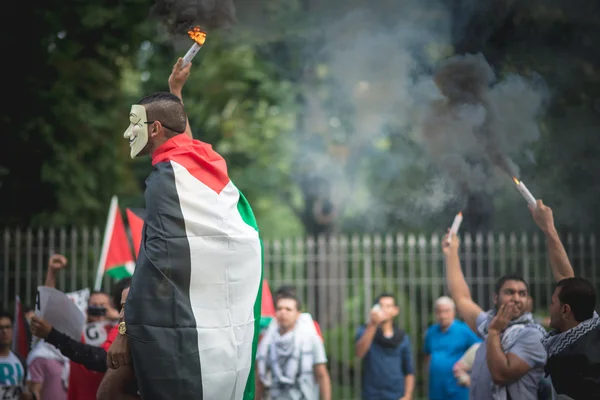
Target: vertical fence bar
[537, 281]
[6, 266]
[367, 274]
[491, 258]
[525, 257]
[28, 266]
[310, 274]
[388, 272]
[85, 257]
[39, 260]
[18, 261]
[300, 266]
[409, 306]
[75, 265]
[436, 273]
[358, 309]
[377, 272]
[345, 327]
[96, 237]
[322, 282]
[288, 261]
[63, 250]
[482, 276]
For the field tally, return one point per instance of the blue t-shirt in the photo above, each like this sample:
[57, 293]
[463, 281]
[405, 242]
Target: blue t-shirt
[445, 349]
[384, 369]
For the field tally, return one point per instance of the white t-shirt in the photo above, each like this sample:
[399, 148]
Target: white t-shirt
[12, 377]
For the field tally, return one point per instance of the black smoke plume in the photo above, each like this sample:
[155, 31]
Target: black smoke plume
[180, 15]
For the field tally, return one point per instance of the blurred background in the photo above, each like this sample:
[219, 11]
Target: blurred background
[329, 118]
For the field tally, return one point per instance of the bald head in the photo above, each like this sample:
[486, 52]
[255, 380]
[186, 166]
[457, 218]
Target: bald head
[167, 109]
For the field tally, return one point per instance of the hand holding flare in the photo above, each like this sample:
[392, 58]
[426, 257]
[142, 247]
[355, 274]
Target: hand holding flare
[525, 193]
[199, 37]
[455, 226]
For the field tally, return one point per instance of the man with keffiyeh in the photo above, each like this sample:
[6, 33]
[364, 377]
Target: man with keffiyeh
[509, 364]
[291, 360]
[574, 344]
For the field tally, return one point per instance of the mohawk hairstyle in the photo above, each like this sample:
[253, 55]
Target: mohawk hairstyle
[167, 109]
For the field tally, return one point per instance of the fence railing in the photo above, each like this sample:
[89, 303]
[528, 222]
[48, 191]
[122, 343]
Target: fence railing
[337, 277]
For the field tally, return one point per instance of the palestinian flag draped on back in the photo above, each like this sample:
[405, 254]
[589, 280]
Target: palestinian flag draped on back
[116, 259]
[193, 310]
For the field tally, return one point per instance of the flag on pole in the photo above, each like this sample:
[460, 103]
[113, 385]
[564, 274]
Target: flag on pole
[267, 308]
[116, 259]
[135, 219]
[20, 339]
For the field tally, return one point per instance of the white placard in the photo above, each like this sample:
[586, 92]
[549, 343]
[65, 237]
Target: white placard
[59, 311]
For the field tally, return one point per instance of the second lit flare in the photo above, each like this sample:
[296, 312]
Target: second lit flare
[455, 226]
[525, 193]
[199, 37]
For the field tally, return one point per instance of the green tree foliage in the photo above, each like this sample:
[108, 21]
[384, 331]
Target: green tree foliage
[60, 159]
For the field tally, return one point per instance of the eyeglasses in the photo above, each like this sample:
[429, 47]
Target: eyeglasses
[5, 327]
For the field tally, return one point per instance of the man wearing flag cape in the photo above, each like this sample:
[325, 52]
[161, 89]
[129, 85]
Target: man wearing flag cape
[192, 317]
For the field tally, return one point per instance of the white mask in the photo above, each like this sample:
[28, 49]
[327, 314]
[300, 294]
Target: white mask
[137, 133]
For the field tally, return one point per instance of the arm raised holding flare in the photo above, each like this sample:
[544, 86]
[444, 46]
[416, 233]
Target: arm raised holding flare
[557, 255]
[457, 285]
[177, 80]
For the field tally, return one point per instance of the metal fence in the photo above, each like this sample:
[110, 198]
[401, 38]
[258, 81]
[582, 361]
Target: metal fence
[337, 278]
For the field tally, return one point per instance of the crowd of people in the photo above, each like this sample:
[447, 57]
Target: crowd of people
[189, 326]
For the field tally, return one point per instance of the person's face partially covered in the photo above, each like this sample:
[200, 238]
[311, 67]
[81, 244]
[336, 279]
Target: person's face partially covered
[137, 133]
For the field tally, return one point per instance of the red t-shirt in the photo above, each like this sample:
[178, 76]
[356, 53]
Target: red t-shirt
[83, 383]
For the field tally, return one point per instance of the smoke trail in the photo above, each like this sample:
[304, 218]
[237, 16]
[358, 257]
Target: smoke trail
[480, 120]
[179, 15]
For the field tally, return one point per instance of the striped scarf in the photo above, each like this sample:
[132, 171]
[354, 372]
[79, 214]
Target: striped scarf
[555, 342]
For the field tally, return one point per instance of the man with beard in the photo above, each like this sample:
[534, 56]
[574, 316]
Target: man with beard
[388, 371]
[509, 364]
[193, 312]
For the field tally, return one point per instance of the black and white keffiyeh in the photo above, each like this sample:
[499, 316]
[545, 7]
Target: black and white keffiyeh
[555, 342]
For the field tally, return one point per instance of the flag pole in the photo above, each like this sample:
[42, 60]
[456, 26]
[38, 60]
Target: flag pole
[110, 222]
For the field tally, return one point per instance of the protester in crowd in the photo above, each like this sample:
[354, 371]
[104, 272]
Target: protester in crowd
[574, 344]
[289, 290]
[181, 299]
[445, 343]
[388, 371]
[510, 362]
[292, 364]
[12, 368]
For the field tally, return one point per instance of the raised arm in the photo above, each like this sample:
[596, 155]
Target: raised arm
[55, 264]
[177, 80]
[365, 338]
[459, 291]
[559, 261]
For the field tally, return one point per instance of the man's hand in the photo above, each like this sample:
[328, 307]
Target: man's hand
[502, 318]
[376, 317]
[179, 76]
[57, 262]
[40, 327]
[542, 215]
[452, 247]
[118, 353]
